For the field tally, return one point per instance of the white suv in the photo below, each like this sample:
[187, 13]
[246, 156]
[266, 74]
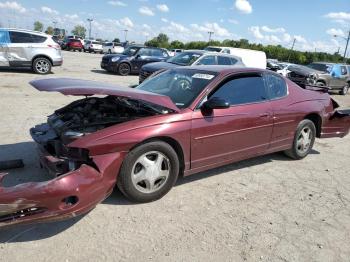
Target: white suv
[25, 48]
[93, 46]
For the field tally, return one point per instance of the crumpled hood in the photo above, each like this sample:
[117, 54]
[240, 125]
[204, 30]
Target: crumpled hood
[69, 86]
[304, 70]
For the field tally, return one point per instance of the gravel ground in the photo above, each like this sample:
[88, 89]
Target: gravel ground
[264, 209]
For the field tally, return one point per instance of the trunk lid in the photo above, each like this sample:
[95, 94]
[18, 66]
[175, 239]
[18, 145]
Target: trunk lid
[77, 87]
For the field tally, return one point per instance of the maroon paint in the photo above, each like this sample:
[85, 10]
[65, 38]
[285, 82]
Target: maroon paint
[206, 141]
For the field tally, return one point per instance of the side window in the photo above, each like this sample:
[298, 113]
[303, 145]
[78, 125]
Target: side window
[4, 37]
[223, 60]
[233, 61]
[144, 52]
[157, 52]
[207, 60]
[243, 90]
[343, 70]
[19, 37]
[276, 85]
[226, 51]
[38, 39]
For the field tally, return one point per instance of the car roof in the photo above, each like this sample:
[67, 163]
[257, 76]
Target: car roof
[26, 31]
[223, 68]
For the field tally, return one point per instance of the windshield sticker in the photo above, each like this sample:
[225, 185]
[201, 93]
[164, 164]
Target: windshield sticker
[203, 76]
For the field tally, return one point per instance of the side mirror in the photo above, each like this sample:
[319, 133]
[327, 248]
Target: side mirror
[137, 56]
[215, 103]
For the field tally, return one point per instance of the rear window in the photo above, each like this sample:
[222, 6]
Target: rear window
[20, 37]
[277, 87]
[74, 40]
[96, 43]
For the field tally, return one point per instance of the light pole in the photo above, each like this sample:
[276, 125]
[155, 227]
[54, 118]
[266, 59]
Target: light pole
[210, 34]
[90, 20]
[291, 49]
[347, 39]
[125, 33]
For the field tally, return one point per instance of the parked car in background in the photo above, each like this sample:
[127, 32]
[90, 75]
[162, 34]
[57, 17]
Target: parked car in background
[190, 58]
[93, 46]
[284, 69]
[174, 52]
[334, 77]
[25, 48]
[251, 58]
[132, 59]
[113, 48]
[183, 121]
[74, 45]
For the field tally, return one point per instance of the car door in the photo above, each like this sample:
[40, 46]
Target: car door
[240, 131]
[4, 39]
[19, 49]
[142, 57]
[343, 76]
[284, 115]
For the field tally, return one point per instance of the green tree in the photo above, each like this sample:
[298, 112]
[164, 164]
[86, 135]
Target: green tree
[177, 44]
[116, 40]
[79, 31]
[38, 26]
[49, 30]
[162, 40]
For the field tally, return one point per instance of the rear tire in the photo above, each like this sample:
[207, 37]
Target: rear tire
[345, 90]
[148, 172]
[42, 66]
[304, 140]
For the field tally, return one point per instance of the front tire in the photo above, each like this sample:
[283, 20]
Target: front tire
[149, 172]
[304, 140]
[42, 66]
[124, 69]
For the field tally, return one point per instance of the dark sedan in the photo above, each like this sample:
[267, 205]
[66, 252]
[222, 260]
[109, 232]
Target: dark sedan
[180, 122]
[190, 58]
[132, 59]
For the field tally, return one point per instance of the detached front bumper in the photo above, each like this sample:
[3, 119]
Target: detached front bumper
[68, 195]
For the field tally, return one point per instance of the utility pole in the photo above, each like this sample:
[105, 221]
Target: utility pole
[346, 47]
[291, 50]
[90, 20]
[210, 34]
[125, 33]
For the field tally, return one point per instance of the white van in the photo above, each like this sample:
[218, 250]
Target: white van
[251, 58]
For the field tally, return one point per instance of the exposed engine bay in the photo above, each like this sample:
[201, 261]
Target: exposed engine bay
[83, 117]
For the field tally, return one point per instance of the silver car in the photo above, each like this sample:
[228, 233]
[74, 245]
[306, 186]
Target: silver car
[25, 48]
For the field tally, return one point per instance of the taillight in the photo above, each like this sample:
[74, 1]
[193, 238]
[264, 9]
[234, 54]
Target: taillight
[54, 46]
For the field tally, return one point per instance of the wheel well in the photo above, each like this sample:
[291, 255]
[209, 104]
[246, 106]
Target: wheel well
[321, 81]
[317, 120]
[173, 143]
[44, 56]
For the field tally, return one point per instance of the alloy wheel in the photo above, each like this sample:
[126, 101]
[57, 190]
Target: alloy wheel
[304, 140]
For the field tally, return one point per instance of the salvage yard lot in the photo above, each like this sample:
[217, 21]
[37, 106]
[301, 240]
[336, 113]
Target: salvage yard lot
[265, 209]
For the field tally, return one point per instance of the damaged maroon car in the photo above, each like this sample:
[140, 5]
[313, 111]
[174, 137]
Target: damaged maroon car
[179, 122]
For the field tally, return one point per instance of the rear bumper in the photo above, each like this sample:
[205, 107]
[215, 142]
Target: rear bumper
[338, 125]
[69, 195]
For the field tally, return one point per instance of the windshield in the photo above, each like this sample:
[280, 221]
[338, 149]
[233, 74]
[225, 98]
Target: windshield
[131, 50]
[186, 58]
[321, 67]
[181, 85]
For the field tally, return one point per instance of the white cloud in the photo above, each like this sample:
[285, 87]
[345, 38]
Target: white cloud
[287, 38]
[300, 39]
[147, 27]
[49, 10]
[164, 20]
[163, 8]
[211, 27]
[117, 3]
[13, 6]
[273, 30]
[244, 6]
[144, 10]
[338, 16]
[126, 21]
[337, 32]
[233, 21]
[255, 30]
[72, 17]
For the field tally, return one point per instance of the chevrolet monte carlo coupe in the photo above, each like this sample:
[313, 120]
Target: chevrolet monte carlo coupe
[179, 122]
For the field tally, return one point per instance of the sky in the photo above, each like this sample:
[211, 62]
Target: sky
[313, 23]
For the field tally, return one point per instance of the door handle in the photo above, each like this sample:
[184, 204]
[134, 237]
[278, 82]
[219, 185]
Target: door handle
[264, 114]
